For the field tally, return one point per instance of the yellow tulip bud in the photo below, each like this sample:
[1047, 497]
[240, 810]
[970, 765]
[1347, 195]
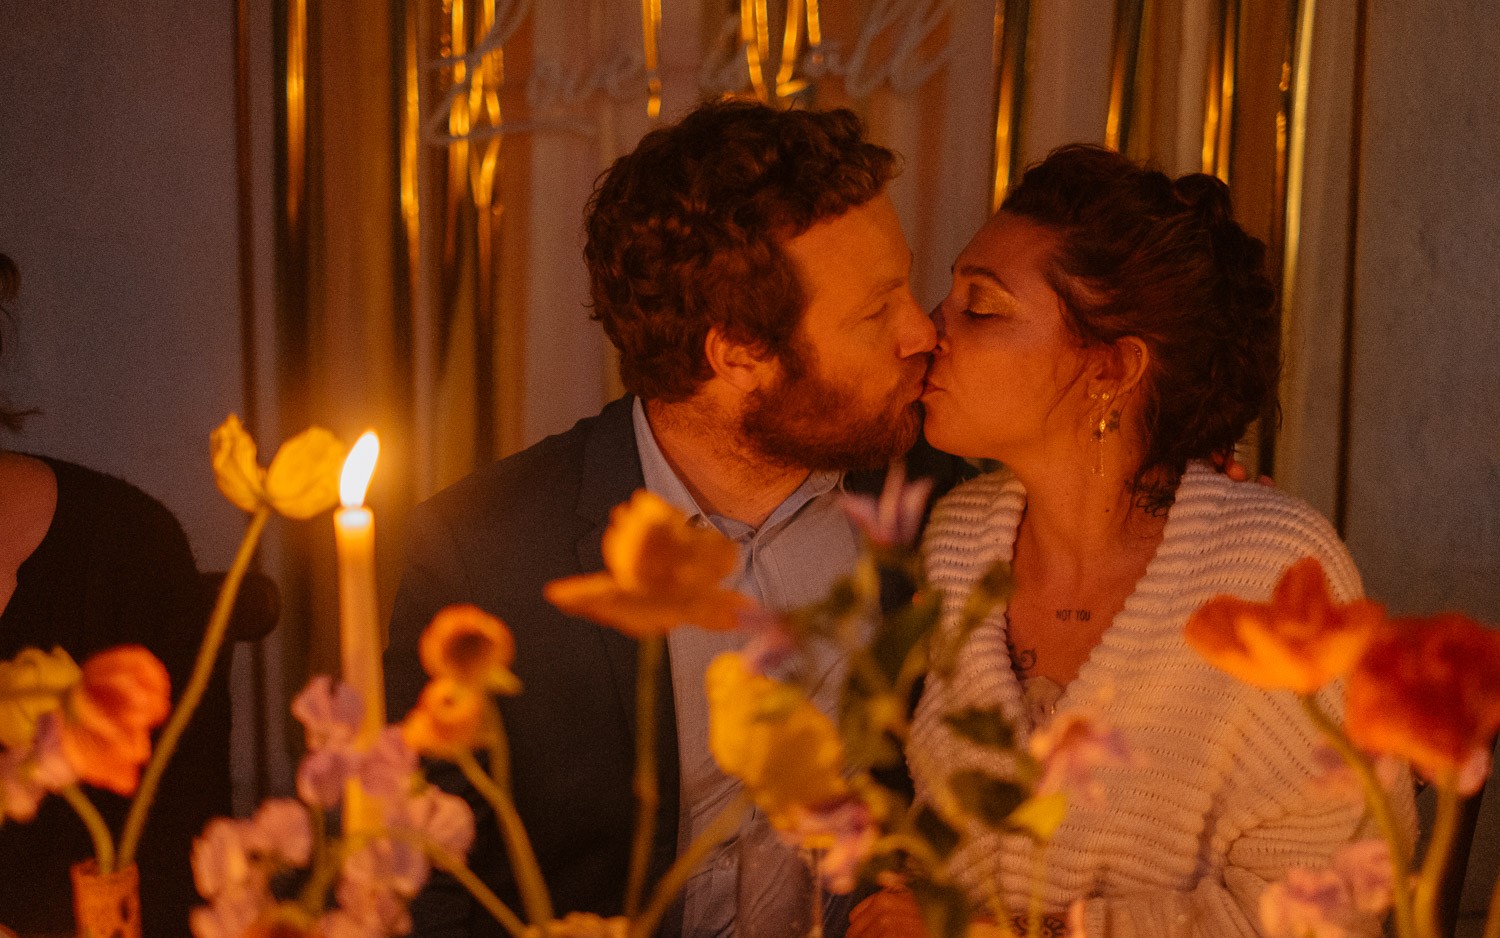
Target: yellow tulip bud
[236, 472]
[31, 684]
[304, 477]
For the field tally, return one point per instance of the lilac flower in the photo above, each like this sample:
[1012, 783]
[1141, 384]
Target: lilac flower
[376, 883]
[28, 774]
[323, 774]
[1307, 904]
[221, 860]
[770, 644]
[1071, 749]
[340, 924]
[1366, 869]
[1337, 779]
[894, 518]
[844, 831]
[229, 918]
[386, 770]
[446, 819]
[330, 715]
[280, 832]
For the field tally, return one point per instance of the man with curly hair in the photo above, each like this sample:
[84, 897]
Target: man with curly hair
[752, 272]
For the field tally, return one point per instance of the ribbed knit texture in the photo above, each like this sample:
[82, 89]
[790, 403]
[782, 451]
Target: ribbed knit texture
[1221, 799]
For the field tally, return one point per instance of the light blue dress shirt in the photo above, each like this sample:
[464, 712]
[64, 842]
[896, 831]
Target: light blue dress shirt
[790, 560]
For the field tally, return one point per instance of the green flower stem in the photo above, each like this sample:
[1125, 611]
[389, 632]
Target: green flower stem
[517, 844]
[311, 898]
[1034, 901]
[1380, 804]
[104, 845]
[687, 864]
[647, 795]
[208, 653]
[1445, 824]
[454, 866]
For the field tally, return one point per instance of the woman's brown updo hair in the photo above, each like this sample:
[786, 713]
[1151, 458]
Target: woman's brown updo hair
[10, 285]
[1142, 255]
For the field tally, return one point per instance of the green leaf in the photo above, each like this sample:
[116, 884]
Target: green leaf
[991, 589]
[1040, 816]
[987, 727]
[986, 797]
[945, 908]
[933, 829]
[898, 633]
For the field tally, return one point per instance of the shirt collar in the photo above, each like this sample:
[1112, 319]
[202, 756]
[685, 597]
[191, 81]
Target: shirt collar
[662, 481]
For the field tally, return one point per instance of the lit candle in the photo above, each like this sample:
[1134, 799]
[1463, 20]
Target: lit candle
[359, 624]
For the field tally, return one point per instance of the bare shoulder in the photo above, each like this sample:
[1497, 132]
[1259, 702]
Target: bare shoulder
[28, 500]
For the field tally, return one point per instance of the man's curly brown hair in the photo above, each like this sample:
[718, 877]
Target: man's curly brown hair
[685, 233]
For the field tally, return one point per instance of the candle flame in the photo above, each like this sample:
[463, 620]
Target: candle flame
[358, 468]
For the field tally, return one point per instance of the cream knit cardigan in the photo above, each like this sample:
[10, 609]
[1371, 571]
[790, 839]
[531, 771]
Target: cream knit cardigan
[1222, 798]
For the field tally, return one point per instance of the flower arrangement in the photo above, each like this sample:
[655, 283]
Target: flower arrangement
[61, 724]
[1422, 691]
[346, 856]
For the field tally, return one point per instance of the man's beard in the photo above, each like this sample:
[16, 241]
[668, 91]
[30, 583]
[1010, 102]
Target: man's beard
[808, 421]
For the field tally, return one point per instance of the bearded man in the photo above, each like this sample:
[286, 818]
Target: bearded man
[752, 272]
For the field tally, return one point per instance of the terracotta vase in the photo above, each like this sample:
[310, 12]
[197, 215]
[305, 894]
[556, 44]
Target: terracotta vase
[109, 905]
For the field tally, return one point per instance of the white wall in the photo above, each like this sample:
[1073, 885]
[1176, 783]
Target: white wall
[117, 200]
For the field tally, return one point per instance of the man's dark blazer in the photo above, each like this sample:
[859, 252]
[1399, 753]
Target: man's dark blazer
[495, 539]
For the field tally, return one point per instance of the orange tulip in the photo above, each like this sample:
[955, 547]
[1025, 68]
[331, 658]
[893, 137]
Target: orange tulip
[661, 572]
[449, 717]
[1299, 641]
[123, 694]
[470, 646]
[1428, 691]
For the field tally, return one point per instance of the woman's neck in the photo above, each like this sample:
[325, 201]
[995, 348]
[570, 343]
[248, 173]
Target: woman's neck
[1079, 523]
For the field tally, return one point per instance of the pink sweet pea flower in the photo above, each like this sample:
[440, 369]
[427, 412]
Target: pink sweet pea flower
[329, 714]
[376, 883]
[844, 831]
[1307, 904]
[893, 519]
[1071, 749]
[446, 819]
[28, 774]
[280, 832]
[1366, 869]
[226, 918]
[386, 770]
[770, 644]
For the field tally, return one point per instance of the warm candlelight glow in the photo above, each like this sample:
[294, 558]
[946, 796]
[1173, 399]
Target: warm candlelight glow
[358, 468]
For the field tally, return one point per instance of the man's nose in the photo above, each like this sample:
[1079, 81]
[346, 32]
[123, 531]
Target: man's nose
[918, 334]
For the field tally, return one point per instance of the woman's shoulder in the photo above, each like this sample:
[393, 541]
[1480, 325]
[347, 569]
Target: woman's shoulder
[1250, 526]
[29, 500]
[102, 513]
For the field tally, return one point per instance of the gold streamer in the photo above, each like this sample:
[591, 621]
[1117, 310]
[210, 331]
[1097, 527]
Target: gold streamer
[1218, 99]
[1295, 156]
[411, 122]
[814, 27]
[1011, 21]
[1122, 72]
[754, 25]
[651, 33]
[791, 41]
[458, 130]
[296, 110]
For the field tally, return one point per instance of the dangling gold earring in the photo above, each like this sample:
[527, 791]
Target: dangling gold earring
[1109, 419]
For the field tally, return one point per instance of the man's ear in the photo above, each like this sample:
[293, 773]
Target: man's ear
[1120, 368]
[738, 365]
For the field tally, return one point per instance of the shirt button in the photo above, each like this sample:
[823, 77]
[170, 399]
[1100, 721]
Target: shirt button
[726, 862]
